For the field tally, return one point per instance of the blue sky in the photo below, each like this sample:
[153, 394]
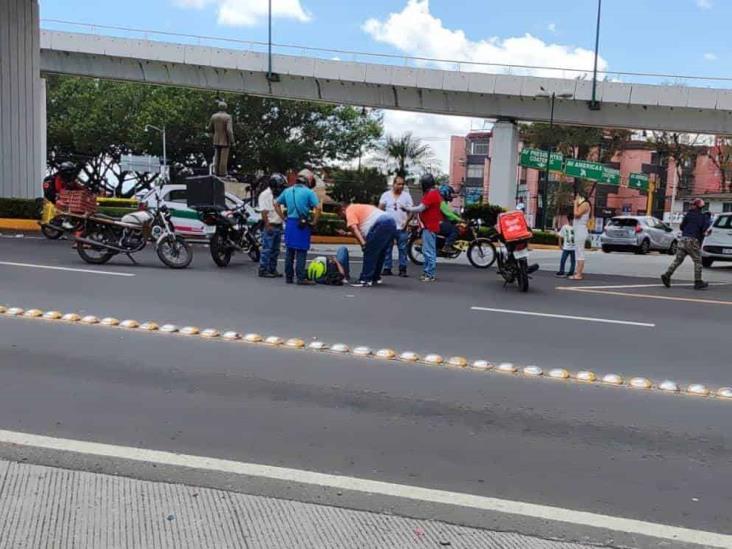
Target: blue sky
[668, 36]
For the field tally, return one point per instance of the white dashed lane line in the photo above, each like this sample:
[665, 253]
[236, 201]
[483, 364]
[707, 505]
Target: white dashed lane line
[566, 317]
[68, 269]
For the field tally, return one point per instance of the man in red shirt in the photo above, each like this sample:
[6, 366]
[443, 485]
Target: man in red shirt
[430, 217]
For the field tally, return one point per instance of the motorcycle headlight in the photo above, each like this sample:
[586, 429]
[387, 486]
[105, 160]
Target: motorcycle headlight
[157, 231]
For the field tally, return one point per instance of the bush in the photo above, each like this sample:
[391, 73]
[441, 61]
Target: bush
[117, 202]
[545, 237]
[328, 224]
[115, 212]
[487, 213]
[21, 208]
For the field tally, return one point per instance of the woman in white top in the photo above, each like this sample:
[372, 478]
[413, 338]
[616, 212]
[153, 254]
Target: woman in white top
[582, 211]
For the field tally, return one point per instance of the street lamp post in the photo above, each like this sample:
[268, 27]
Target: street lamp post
[594, 104]
[271, 77]
[544, 191]
[165, 153]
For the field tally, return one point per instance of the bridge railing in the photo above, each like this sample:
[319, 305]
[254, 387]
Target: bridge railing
[335, 54]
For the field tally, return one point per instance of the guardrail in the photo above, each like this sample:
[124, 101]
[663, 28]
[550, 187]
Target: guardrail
[335, 54]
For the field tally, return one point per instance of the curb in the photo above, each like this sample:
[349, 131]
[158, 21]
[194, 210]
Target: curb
[347, 240]
[583, 377]
[28, 225]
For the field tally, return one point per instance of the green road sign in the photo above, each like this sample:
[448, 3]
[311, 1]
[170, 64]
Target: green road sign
[638, 181]
[536, 158]
[610, 176]
[582, 169]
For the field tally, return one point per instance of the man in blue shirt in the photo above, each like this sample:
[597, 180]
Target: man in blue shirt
[299, 201]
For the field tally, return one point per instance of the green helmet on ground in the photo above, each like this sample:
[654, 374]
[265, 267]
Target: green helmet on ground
[317, 268]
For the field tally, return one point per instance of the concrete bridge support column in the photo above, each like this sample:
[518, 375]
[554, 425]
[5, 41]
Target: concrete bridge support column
[21, 124]
[504, 165]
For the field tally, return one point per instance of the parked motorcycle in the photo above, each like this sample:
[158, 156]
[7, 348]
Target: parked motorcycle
[513, 262]
[480, 250]
[231, 233]
[102, 237]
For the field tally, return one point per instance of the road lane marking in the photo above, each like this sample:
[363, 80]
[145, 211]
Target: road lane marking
[566, 317]
[368, 486]
[69, 269]
[649, 296]
[629, 286]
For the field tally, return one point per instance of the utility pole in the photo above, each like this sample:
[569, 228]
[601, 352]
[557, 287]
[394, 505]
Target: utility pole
[271, 77]
[594, 103]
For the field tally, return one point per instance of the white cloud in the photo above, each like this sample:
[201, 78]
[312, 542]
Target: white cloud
[704, 4]
[552, 27]
[248, 13]
[710, 56]
[415, 31]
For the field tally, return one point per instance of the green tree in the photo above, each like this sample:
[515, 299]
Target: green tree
[364, 186]
[95, 122]
[402, 152]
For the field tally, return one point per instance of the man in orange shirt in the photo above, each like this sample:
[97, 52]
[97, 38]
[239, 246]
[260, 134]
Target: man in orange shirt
[375, 230]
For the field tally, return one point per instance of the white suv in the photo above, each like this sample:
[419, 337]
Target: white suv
[717, 245]
[185, 220]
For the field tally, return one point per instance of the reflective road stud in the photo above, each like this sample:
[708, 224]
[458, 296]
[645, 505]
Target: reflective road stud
[669, 386]
[387, 354]
[559, 373]
[481, 365]
[14, 311]
[409, 356]
[90, 319]
[149, 327]
[130, 324]
[317, 346]
[274, 340]
[725, 392]
[169, 328]
[362, 351]
[33, 313]
[586, 376]
[434, 359]
[295, 343]
[458, 361]
[613, 379]
[253, 338]
[231, 336]
[339, 348]
[71, 317]
[506, 368]
[109, 321]
[533, 371]
[698, 390]
[641, 383]
[190, 331]
[52, 315]
[210, 333]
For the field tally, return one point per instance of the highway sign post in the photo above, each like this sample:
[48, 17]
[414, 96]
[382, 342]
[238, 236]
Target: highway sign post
[639, 181]
[583, 169]
[536, 159]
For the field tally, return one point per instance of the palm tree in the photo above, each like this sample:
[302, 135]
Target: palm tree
[403, 151]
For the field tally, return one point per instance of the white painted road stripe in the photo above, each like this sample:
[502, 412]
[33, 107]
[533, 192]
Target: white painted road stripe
[532, 510]
[53, 268]
[566, 317]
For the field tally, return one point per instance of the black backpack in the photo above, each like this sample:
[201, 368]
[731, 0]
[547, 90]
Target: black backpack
[49, 188]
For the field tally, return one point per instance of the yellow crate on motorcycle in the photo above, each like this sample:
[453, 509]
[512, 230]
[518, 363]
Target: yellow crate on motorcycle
[48, 212]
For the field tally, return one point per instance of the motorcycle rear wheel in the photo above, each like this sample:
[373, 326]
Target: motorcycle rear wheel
[94, 255]
[481, 253]
[220, 253]
[523, 275]
[175, 252]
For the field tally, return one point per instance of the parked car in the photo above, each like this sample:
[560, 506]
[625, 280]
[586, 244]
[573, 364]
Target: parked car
[717, 244]
[639, 234]
[185, 220]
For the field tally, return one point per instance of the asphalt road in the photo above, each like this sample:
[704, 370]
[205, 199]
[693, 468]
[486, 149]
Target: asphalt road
[619, 452]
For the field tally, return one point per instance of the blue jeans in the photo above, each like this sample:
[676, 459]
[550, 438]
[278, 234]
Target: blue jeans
[270, 249]
[378, 240]
[402, 238]
[298, 258]
[450, 232]
[429, 251]
[342, 258]
[567, 254]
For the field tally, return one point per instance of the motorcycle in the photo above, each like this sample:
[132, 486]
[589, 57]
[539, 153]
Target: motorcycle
[480, 250]
[513, 262]
[102, 237]
[231, 233]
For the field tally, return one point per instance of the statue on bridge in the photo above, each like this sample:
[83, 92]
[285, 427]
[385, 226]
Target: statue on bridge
[222, 128]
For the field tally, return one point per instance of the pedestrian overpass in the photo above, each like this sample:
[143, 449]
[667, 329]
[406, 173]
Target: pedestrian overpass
[505, 97]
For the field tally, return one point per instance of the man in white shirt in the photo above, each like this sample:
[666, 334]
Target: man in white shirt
[272, 227]
[393, 203]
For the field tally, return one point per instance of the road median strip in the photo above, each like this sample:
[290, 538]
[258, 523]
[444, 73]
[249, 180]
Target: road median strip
[582, 377]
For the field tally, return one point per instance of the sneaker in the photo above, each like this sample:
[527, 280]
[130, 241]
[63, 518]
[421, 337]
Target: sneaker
[289, 281]
[426, 278]
[265, 274]
[276, 274]
[403, 273]
[378, 282]
[533, 268]
[361, 284]
[666, 280]
[701, 285]
[305, 283]
[560, 273]
[387, 272]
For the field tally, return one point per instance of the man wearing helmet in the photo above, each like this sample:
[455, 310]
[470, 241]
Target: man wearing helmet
[431, 217]
[693, 229]
[65, 178]
[448, 227]
[272, 226]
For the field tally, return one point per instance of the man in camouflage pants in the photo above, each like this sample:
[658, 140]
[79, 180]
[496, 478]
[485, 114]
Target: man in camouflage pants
[693, 229]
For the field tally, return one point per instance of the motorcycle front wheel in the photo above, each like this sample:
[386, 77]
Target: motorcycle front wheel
[481, 253]
[94, 255]
[523, 275]
[220, 252]
[414, 250]
[175, 252]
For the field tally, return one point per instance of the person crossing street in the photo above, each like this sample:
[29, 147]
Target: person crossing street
[694, 227]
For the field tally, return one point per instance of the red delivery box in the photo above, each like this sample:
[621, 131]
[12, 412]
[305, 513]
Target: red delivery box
[513, 227]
